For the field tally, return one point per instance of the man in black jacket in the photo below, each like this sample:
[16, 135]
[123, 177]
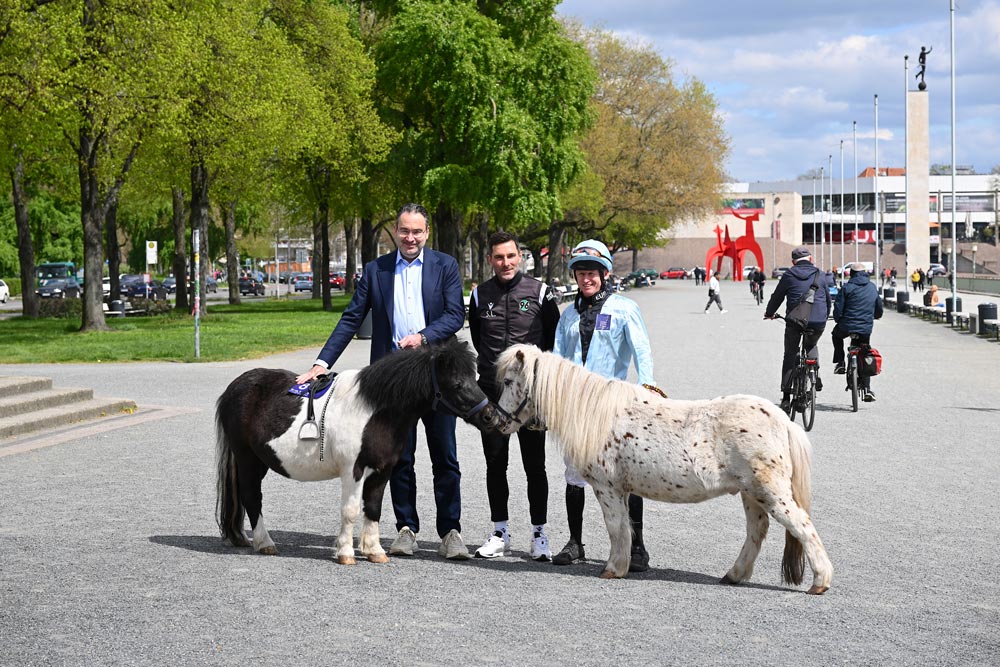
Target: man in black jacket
[855, 310]
[508, 309]
[795, 283]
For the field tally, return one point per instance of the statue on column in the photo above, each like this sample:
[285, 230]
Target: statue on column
[922, 60]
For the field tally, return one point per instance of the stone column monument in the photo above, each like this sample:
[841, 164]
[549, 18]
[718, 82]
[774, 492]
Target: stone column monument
[918, 246]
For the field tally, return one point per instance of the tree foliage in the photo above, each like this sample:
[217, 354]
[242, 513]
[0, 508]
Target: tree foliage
[657, 146]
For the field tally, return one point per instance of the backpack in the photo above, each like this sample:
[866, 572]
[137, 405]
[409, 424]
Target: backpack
[803, 309]
[870, 362]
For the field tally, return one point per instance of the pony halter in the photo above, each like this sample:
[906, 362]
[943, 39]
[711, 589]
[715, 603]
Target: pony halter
[439, 398]
[513, 417]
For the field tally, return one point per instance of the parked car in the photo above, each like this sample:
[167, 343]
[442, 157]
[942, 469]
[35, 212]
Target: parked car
[747, 270]
[337, 280]
[249, 285]
[4, 292]
[154, 289]
[105, 287]
[303, 282]
[778, 271]
[59, 288]
[170, 284]
[642, 277]
[674, 273]
[937, 270]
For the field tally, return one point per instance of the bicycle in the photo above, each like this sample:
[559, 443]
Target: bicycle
[759, 293]
[854, 370]
[803, 385]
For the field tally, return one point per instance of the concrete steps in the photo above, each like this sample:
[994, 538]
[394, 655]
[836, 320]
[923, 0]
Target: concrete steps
[30, 404]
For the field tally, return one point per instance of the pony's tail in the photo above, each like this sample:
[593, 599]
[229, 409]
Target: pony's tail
[228, 508]
[800, 452]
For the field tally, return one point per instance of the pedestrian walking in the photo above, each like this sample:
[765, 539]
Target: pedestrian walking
[714, 295]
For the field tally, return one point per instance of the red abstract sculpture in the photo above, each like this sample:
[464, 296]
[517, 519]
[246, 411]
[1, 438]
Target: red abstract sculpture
[735, 250]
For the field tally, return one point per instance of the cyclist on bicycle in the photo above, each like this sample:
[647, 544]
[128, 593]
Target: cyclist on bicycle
[855, 310]
[793, 286]
[757, 283]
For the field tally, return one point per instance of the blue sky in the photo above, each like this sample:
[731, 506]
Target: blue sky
[790, 77]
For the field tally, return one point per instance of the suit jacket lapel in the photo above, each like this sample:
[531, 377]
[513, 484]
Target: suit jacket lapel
[386, 282]
[427, 281]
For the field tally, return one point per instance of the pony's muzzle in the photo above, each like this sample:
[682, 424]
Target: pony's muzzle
[488, 418]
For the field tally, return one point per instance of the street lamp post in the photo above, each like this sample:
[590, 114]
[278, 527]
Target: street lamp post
[841, 207]
[878, 263]
[975, 249]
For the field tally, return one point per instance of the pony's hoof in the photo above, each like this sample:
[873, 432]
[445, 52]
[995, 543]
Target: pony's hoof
[818, 590]
[268, 551]
[608, 574]
[346, 560]
[378, 558]
[728, 581]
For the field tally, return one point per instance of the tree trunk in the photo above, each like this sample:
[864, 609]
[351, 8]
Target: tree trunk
[369, 239]
[114, 252]
[554, 269]
[25, 248]
[316, 258]
[181, 303]
[324, 261]
[481, 249]
[350, 246]
[232, 258]
[92, 218]
[199, 221]
[446, 230]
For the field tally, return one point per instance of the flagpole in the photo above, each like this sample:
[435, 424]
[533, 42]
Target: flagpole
[954, 201]
[841, 207]
[878, 263]
[855, 132]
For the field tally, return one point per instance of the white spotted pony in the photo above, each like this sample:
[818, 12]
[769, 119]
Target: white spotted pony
[625, 439]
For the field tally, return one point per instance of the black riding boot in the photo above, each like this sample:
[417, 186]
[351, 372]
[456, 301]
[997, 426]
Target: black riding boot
[574, 514]
[639, 560]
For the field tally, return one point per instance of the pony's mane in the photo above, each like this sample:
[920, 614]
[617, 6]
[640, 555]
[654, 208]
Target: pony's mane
[579, 406]
[402, 380]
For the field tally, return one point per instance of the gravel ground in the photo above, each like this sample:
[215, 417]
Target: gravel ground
[109, 553]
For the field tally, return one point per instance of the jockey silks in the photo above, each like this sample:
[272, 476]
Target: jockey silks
[617, 336]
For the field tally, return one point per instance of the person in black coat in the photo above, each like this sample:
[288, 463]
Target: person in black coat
[855, 310]
[792, 288]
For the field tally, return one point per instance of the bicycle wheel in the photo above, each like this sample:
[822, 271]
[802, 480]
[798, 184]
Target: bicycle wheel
[809, 399]
[852, 381]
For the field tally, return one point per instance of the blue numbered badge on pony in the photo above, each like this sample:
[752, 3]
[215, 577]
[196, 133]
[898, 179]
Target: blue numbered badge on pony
[603, 322]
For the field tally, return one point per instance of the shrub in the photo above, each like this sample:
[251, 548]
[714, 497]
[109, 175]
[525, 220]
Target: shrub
[64, 308]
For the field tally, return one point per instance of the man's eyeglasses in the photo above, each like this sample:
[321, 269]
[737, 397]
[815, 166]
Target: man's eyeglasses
[415, 233]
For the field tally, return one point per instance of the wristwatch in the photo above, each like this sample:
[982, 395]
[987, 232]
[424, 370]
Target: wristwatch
[423, 339]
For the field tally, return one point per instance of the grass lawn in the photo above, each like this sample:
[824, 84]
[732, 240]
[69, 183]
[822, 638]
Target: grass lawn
[254, 329]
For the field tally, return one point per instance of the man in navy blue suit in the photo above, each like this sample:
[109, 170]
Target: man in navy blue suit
[415, 298]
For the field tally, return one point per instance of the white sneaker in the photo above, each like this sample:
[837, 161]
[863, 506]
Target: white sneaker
[540, 550]
[404, 543]
[496, 545]
[724, 311]
[452, 547]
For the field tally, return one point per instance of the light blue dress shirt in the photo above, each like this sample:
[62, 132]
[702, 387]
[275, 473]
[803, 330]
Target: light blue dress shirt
[408, 297]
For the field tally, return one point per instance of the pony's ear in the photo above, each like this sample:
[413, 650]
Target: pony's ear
[520, 357]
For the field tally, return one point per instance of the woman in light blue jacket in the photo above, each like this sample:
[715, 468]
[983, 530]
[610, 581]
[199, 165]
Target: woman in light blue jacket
[603, 332]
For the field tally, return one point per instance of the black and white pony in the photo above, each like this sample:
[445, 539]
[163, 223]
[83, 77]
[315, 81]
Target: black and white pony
[625, 439]
[365, 419]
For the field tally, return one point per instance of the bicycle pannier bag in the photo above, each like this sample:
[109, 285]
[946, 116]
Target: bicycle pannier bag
[870, 362]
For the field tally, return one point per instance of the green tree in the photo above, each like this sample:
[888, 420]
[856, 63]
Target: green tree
[489, 97]
[658, 146]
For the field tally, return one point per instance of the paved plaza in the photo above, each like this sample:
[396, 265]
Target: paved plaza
[109, 552]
